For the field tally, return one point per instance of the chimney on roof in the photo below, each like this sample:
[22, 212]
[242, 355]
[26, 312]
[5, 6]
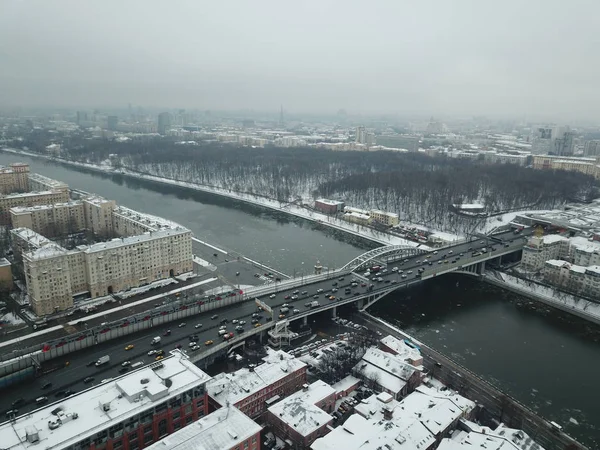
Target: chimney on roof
[388, 413]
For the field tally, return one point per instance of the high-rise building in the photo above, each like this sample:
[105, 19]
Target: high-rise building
[361, 135]
[111, 123]
[81, 117]
[563, 144]
[164, 122]
[592, 148]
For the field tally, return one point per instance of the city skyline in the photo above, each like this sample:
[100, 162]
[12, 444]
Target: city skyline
[393, 57]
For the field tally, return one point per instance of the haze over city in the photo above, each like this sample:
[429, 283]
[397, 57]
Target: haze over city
[521, 59]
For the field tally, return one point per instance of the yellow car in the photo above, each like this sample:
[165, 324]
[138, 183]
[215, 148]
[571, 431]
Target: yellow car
[129, 347]
[158, 358]
[256, 325]
[208, 343]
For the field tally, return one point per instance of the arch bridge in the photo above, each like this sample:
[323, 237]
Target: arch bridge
[395, 251]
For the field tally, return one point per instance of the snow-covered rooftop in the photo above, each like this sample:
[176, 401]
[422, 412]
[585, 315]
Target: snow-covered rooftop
[51, 183]
[26, 209]
[329, 202]
[223, 429]
[345, 383]
[151, 222]
[299, 410]
[393, 364]
[31, 237]
[402, 350]
[236, 386]
[368, 434]
[29, 194]
[104, 405]
[118, 242]
[502, 438]
[414, 421]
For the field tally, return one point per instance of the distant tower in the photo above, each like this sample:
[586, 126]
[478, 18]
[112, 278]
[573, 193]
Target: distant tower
[164, 122]
[281, 117]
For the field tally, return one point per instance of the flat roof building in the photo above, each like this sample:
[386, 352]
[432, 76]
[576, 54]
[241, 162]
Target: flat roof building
[250, 388]
[128, 412]
[305, 415]
[387, 372]
[224, 429]
[419, 421]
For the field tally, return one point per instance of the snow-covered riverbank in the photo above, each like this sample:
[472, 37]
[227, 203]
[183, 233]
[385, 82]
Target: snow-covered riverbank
[295, 210]
[559, 300]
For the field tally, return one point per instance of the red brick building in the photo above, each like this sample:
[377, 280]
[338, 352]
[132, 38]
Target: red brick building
[329, 206]
[253, 389]
[305, 415]
[127, 413]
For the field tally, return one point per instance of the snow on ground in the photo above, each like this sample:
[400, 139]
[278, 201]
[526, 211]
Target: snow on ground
[558, 298]
[368, 233]
[148, 287]
[204, 263]
[505, 219]
[186, 276]
[10, 319]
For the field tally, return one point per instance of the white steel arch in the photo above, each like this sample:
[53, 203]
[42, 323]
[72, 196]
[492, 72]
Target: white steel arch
[388, 250]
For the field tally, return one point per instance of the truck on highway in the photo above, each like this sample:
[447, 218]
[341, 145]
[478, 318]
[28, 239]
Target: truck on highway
[102, 360]
[155, 340]
[314, 304]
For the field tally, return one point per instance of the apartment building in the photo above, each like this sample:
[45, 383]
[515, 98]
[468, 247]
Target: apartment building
[14, 178]
[252, 390]
[98, 214]
[541, 249]
[39, 182]
[129, 412]
[588, 166]
[29, 199]
[574, 278]
[305, 415]
[54, 220]
[54, 274]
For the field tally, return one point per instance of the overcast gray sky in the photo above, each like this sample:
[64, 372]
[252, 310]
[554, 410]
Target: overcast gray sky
[438, 57]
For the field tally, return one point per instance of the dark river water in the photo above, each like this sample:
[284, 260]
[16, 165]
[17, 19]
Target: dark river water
[549, 361]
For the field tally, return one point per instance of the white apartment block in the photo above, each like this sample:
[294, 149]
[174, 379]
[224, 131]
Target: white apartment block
[53, 220]
[149, 249]
[574, 278]
[29, 199]
[384, 217]
[39, 182]
[14, 178]
[541, 249]
[54, 274]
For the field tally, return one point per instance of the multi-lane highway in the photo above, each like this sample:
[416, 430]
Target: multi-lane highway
[71, 376]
